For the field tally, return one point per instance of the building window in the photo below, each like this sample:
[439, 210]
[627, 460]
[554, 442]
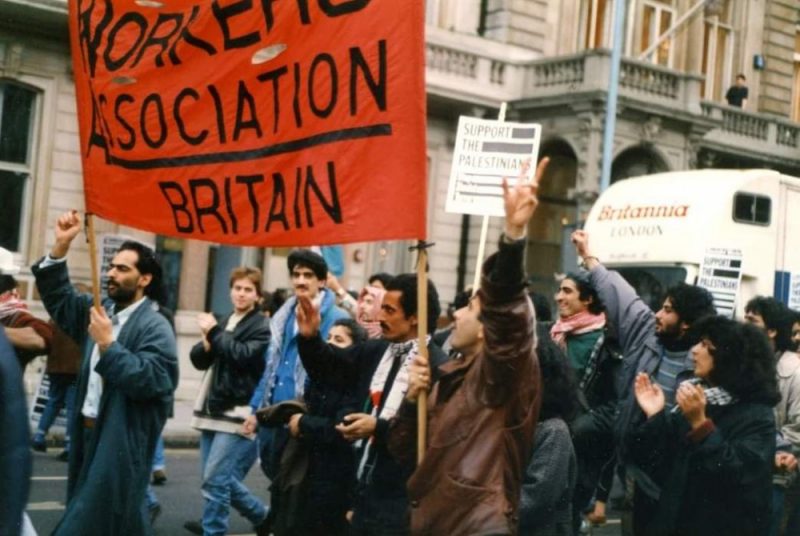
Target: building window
[796, 86]
[595, 22]
[657, 17]
[717, 52]
[17, 109]
[170, 253]
[751, 208]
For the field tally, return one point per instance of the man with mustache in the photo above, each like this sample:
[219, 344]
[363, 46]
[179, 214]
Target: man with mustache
[284, 377]
[125, 385]
[656, 344]
[377, 371]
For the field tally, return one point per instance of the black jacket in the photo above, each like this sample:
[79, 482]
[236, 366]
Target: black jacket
[720, 485]
[239, 358]
[352, 369]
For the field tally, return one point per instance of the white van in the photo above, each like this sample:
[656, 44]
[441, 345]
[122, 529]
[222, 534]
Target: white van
[656, 229]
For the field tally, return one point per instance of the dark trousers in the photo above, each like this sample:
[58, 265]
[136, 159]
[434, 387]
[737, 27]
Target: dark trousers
[380, 516]
[593, 439]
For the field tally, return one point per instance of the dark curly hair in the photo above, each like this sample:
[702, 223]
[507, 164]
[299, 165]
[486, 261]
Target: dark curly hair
[147, 263]
[691, 302]
[776, 316]
[744, 363]
[406, 284]
[586, 290]
[357, 333]
[559, 385]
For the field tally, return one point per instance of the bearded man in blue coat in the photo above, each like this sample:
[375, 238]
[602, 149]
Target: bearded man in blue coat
[126, 382]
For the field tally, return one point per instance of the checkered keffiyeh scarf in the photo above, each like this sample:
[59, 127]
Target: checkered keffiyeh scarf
[715, 396]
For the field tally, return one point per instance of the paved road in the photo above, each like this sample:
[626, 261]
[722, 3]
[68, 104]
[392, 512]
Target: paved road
[180, 496]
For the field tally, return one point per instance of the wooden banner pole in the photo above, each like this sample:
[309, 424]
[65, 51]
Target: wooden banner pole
[422, 334]
[91, 237]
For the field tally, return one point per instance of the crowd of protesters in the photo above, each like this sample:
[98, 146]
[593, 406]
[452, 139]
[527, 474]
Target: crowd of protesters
[531, 421]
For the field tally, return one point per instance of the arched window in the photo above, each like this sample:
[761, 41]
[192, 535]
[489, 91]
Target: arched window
[17, 111]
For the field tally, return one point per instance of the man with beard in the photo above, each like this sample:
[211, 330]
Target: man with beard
[656, 344]
[125, 385]
[377, 372]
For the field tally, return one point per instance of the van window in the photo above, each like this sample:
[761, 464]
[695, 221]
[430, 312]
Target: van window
[651, 282]
[751, 208]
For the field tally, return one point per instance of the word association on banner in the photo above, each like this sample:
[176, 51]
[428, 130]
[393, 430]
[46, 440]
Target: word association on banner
[246, 119]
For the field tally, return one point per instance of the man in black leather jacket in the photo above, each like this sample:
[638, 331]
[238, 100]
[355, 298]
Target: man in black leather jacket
[232, 354]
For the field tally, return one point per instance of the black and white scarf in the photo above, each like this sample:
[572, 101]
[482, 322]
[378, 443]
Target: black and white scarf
[715, 396]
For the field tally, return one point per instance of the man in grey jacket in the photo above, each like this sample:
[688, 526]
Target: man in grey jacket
[655, 343]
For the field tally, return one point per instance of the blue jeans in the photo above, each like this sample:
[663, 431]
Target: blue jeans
[777, 510]
[226, 459]
[150, 499]
[159, 462]
[60, 393]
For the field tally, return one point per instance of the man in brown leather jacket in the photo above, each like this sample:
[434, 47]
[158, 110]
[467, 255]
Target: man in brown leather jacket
[484, 407]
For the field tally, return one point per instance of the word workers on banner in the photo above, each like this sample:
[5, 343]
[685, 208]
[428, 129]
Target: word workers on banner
[253, 122]
[487, 151]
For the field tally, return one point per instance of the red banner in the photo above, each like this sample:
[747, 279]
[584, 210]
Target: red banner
[253, 122]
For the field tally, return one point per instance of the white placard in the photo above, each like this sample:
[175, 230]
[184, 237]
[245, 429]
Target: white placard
[721, 274]
[486, 151]
[40, 399]
[794, 291]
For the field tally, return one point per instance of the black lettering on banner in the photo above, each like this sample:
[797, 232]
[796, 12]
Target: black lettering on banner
[102, 100]
[218, 108]
[312, 84]
[377, 88]
[245, 99]
[222, 14]
[97, 138]
[89, 44]
[269, 16]
[332, 208]
[211, 210]
[274, 76]
[249, 181]
[342, 8]
[176, 110]
[138, 20]
[162, 121]
[126, 145]
[178, 207]
[298, 176]
[278, 196]
[298, 119]
[229, 207]
[186, 36]
[206, 197]
[162, 41]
